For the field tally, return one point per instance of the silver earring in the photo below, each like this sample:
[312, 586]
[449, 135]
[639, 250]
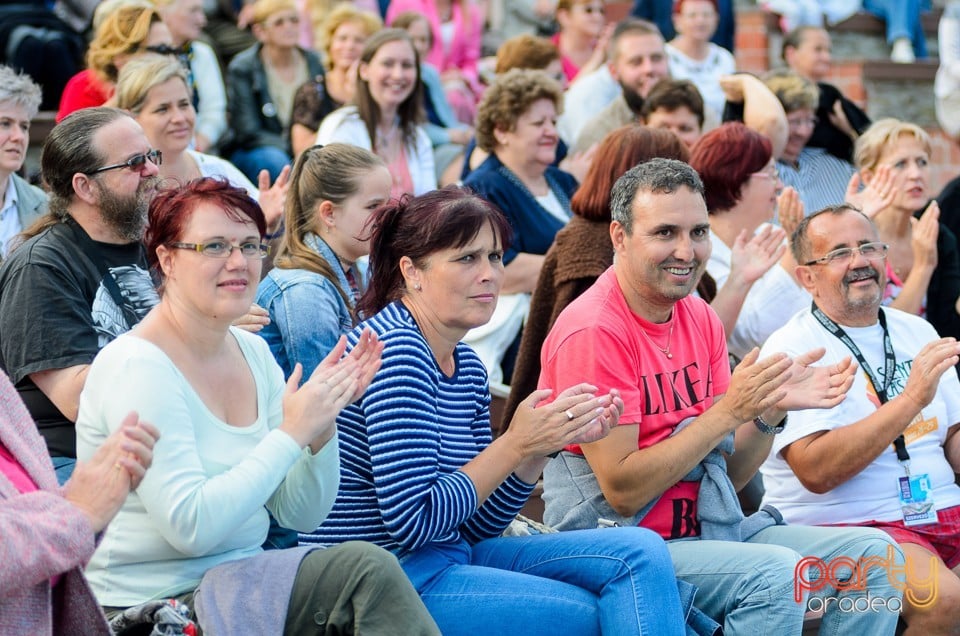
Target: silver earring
[416, 286]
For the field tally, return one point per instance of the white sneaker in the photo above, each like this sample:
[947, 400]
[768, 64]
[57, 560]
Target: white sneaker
[902, 52]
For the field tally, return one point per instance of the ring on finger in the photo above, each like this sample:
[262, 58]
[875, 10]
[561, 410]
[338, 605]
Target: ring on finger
[569, 415]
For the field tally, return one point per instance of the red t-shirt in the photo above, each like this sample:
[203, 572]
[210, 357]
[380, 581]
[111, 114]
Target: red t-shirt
[598, 339]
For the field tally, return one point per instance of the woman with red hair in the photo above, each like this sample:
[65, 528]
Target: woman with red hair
[743, 195]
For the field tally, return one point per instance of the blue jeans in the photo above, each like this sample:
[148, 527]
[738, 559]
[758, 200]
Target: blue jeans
[749, 587]
[611, 581]
[63, 466]
[252, 161]
[903, 20]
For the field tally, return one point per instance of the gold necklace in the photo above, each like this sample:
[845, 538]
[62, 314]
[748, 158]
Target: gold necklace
[664, 350]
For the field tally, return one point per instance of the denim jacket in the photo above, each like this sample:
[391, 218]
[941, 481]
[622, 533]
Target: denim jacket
[307, 313]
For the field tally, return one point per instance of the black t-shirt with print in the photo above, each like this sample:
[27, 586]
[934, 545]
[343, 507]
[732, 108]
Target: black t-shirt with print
[56, 312]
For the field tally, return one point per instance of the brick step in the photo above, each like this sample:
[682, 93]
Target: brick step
[861, 36]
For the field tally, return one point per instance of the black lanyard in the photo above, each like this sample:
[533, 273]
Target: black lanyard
[889, 364]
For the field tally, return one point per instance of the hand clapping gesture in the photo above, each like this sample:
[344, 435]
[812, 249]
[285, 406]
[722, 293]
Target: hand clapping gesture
[752, 256]
[273, 196]
[777, 382]
[928, 367]
[576, 416]
[310, 411]
[875, 196]
[100, 485]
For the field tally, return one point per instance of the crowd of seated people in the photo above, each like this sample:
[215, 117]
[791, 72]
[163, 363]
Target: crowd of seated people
[259, 315]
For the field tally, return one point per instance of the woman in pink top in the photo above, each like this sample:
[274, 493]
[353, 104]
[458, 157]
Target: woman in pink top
[457, 26]
[583, 36]
[49, 533]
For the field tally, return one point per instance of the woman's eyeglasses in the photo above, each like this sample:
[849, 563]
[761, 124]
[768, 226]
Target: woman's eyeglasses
[136, 162]
[223, 249]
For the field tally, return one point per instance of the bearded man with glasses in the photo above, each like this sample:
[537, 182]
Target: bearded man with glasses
[885, 457]
[80, 278]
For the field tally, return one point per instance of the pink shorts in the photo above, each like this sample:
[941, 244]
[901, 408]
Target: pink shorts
[941, 538]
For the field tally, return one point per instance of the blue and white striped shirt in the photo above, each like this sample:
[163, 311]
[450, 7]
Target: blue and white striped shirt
[820, 178]
[402, 446]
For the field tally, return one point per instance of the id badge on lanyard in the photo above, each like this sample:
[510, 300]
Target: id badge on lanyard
[914, 491]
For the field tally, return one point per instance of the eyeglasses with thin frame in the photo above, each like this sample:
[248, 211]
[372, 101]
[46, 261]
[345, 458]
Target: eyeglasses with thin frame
[770, 173]
[223, 249]
[136, 162]
[875, 251]
[796, 122]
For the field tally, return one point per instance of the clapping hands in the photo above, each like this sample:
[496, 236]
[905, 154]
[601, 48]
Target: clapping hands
[100, 485]
[310, 411]
[576, 416]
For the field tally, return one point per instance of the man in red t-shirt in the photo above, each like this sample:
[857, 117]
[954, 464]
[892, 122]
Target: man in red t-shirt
[669, 465]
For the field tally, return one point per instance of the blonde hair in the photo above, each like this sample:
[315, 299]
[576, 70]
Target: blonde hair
[263, 9]
[121, 32]
[794, 91]
[871, 144]
[510, 95]
[141, 75]
[344, 12]
[321, 173]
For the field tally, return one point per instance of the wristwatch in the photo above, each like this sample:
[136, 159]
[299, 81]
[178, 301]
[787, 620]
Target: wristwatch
[766, 429]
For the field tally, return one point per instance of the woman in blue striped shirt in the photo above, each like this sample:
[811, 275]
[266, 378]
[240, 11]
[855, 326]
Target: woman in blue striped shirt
[421, 476]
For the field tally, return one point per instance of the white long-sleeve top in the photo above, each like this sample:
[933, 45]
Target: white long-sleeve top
[204, 500]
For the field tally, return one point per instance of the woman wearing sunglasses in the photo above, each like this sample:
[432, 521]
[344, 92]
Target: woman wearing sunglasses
[130, 30]
[235, 443]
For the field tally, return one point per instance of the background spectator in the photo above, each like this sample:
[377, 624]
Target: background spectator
[21, 203]
[806, 51]
[457, 27]
[675, 105]
[262, 81]
[446, 133]
[946, 86]
[132, 28]
[185, 19]
[319, 273]
[387, 113]
[660, 12]
[516, 124]
[583, 36]
[342, 36]
[694, 57]
[923, 265]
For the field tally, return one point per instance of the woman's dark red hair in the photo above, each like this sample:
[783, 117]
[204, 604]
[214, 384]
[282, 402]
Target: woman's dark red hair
[417, 227]
[725, 158]
[619, 151]
[171, 208]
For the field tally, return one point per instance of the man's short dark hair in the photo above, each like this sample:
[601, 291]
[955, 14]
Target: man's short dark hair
[672, 95]
[657, 176]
